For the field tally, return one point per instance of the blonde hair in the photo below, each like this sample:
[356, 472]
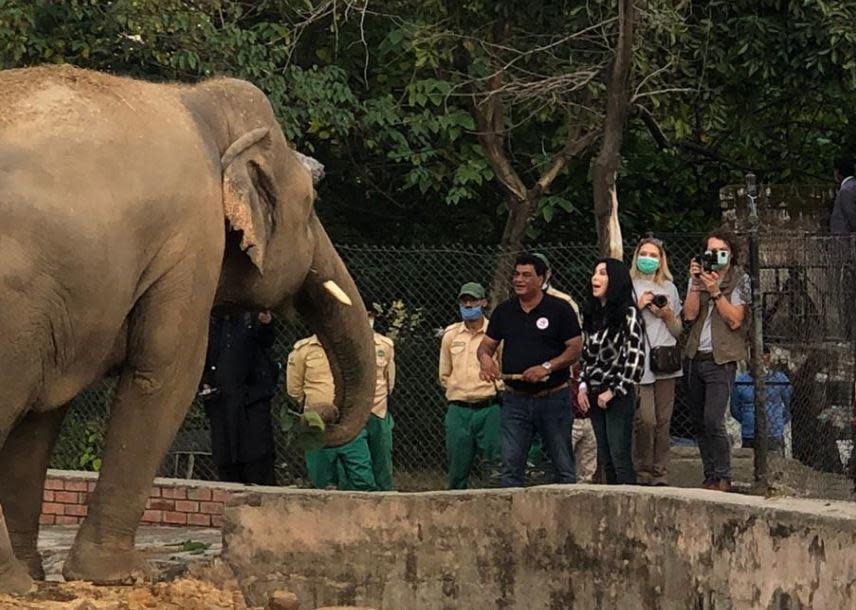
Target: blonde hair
[662, 274]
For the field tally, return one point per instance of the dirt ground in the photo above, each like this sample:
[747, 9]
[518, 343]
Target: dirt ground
[184, 560]
[180, 594]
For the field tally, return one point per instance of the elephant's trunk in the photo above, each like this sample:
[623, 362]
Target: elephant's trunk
[345, 334]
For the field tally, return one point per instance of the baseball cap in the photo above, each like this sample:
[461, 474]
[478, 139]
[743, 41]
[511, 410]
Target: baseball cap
[473, 289]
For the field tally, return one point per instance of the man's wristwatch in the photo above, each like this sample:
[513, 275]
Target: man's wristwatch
[716, 296]
[548, 365]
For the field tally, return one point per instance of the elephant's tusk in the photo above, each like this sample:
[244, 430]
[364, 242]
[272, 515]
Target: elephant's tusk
[334, 289]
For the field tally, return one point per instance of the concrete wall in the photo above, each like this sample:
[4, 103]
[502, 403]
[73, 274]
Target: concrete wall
[548, 547]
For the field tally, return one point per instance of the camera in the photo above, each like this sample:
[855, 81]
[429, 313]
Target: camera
[707, 260]
[660, 300]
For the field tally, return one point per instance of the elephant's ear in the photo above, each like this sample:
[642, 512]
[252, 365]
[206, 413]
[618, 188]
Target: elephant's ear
[249, 192]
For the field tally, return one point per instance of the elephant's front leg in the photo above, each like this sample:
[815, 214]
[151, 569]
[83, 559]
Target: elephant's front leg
[24, 462]
[165, 359]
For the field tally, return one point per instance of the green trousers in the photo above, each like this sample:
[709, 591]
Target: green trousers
[379, 432]
[536, 456]
[470, 432]
[348, 467]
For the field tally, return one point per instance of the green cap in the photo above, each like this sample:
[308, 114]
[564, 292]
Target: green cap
[473, 289]
[542, 257]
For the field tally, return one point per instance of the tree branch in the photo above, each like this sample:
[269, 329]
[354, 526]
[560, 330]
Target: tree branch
[697, 148]
[574, 146]
[653, 127]
[489, 120]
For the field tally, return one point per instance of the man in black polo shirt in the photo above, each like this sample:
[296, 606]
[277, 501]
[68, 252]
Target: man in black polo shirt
[542, 340]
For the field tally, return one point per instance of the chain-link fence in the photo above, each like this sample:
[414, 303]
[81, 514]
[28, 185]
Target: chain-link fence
[807, 286]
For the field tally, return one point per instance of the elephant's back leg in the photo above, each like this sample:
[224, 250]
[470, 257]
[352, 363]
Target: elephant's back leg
[14, 576]
[20, 377]
[24, 462]
[165, 355]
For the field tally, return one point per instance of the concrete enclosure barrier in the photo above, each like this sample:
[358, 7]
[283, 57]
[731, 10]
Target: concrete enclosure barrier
[544, 547]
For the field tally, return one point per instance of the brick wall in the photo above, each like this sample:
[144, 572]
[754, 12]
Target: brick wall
[178, 502]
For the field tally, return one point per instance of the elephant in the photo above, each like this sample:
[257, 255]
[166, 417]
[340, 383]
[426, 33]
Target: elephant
[129, 210]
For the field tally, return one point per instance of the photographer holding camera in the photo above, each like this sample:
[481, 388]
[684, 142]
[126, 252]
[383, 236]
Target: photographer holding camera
[660, 304]
[716, 307]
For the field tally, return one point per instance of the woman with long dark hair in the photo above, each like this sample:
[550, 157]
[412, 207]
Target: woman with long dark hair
[613, 361]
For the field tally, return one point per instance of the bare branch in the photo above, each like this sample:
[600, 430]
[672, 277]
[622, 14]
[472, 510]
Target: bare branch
[523, 54]
[650, 77]
[574, 146]
[490, 122]
[690, 146]
[653, 127]
[661, 92]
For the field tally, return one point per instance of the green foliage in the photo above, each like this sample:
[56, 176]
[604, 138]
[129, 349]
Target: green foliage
[303, 431]
[193, 547]
[774, 81]
[401, 321]
[90, 458]
[383, 97]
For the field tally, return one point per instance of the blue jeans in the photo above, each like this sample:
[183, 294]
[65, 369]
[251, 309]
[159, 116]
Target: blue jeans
[613, 429]
[551, 416]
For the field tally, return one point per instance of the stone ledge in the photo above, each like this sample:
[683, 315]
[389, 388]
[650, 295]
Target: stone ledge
[580, 546]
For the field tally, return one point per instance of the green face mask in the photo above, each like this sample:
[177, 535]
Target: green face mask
[647, 264]
[722, 259]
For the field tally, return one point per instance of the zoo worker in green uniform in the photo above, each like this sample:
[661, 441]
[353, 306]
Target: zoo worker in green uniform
[472, 415]
[309, 381]
[379, 427]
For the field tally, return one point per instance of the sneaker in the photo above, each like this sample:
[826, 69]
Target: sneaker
[709, 484]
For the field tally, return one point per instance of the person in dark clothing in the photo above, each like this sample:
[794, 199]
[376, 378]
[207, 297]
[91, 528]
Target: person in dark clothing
[843, 219]
[843, 223]
[238, 384]
[541, 340]
[613, 361]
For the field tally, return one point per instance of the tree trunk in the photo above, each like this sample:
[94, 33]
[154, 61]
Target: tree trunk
[605, 170]
[510, 244]
[489, 114]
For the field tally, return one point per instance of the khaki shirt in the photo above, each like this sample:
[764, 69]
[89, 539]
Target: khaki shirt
[568, 299]
[308, 378]
[459, 364]
[385, 358]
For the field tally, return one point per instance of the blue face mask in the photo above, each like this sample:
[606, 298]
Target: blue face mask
[468, 314]
[647, 264]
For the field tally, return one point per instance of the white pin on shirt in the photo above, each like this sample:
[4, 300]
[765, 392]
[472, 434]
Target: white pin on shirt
[542, 323]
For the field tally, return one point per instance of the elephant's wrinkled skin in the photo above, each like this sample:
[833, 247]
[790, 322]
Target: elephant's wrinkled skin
[128, 210]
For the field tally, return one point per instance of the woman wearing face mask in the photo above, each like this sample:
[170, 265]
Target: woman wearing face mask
[612, 365]
[660, 304]
[716, 304]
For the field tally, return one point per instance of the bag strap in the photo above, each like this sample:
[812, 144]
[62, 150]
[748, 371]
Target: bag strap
[641, 318]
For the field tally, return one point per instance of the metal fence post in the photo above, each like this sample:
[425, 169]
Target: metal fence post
[850, 332]
[756, 363]
[852, 463]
